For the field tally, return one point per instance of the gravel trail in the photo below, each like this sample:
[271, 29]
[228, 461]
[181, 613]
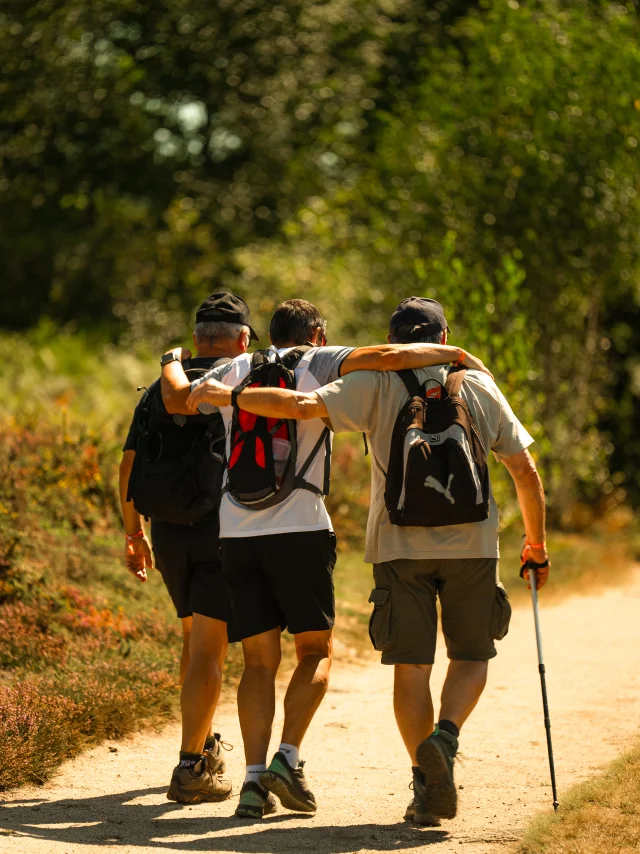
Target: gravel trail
[113, 797]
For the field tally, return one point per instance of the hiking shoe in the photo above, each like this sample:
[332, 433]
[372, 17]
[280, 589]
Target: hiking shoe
[288, 784]
[213, 751]
[255, 802]
[435, 759]
[418, 810]
[198, 785]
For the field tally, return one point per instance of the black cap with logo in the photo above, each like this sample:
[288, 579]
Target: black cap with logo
[225, 308]
[419, 311]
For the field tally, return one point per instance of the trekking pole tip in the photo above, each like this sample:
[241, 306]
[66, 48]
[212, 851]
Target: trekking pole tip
[555, 806]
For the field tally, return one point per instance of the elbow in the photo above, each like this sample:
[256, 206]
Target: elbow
[527, 477]
[298, 411]
[301, 410]
[171, 404]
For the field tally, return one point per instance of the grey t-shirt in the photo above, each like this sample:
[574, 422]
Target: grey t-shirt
[369, 401]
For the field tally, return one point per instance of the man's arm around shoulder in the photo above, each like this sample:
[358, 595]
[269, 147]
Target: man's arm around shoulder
[400, 357]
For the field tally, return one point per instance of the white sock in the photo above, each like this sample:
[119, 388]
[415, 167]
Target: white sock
[291, 754]
[253, 773]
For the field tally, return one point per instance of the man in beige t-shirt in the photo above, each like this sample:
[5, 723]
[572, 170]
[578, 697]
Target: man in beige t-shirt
[414, 566]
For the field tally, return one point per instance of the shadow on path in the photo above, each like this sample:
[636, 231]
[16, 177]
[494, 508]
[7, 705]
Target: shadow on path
[111, 820]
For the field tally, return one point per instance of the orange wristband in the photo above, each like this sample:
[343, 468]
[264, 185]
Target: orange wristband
[137, 536]
[536, 545]
[461, 359]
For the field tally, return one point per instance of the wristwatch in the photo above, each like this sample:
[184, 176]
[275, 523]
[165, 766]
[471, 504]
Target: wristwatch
[168, 358]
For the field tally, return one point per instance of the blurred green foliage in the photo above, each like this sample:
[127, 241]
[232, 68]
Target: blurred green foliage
[353, 152]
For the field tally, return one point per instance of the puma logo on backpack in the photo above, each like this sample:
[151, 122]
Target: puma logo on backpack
[438, 472]
[263, 456]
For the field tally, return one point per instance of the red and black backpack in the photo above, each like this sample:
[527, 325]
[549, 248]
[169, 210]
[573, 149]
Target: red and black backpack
[252, 478]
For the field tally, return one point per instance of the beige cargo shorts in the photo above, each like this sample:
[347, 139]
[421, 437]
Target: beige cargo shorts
[404, 622]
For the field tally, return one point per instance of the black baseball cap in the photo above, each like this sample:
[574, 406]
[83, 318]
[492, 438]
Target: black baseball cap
[226, 308]
[421, 311]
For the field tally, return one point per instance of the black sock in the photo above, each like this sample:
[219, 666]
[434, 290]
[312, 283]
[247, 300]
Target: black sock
[419, 774]
[450, 727]
[190, 760]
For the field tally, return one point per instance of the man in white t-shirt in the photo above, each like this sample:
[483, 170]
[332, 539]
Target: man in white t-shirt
[278, 562]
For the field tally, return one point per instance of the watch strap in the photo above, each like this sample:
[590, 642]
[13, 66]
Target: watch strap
[168, 358]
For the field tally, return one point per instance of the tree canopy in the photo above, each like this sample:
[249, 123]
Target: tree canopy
[353, 152]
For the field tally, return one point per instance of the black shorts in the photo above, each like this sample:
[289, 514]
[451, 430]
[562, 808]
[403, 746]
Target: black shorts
[188, 558]
[280, 580]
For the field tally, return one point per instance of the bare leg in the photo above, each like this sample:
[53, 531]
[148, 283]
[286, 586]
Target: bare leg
[184, 656]
[257, 693]
[462, 689]
[308, 684]
[201, 688]
[413, 705]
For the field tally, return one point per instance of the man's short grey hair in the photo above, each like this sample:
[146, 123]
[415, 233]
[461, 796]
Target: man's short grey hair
[415, 334]
[210, 333]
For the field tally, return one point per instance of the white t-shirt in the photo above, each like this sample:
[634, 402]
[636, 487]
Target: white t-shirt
[302, 510]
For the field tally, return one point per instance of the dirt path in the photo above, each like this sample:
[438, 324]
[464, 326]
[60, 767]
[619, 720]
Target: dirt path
[113, 798]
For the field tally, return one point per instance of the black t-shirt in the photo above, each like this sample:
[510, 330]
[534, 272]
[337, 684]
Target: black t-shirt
[160, 414]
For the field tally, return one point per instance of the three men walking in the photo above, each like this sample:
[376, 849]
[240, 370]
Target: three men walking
[431, 413]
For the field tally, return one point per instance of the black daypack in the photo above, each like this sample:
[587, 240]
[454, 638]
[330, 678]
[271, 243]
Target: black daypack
[255, 480]
[177, 472]
[438, 472]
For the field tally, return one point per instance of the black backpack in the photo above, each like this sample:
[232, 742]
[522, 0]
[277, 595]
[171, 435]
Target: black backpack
[254, 479]
[177, 471]
[438, 472]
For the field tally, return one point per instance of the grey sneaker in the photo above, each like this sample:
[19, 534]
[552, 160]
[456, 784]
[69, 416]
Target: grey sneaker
[198, 785]
[288, 784]
[255, 802]
[418, 810]
[435, 759]
[213, 751]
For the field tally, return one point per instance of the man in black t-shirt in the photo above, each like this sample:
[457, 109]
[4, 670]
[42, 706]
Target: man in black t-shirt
[187, 556]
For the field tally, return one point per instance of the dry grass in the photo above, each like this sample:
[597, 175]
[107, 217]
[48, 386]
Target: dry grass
[601, 816]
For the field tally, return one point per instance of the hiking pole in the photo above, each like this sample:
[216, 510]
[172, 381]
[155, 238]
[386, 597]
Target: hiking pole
[532, 566]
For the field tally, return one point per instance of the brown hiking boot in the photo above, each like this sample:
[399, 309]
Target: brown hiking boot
[213, 751]
[198, 785]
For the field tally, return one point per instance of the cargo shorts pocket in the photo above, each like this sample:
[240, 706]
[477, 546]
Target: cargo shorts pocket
[380, 620]
[501, 616]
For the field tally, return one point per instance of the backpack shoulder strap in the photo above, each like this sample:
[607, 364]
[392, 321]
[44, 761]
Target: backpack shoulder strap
[300, 482]
[454, 381]
[293, 358]
[146, 403]
[410, 383]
